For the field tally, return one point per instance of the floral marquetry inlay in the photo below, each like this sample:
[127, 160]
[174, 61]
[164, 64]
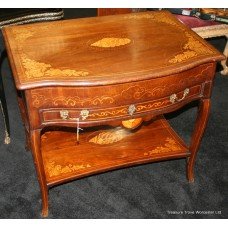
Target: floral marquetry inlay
[71, 101]
[169, 146]
[54, 169]
[159, 17]
[191, 49]
[111, 42]
[22, 35]
[108, 137]
[35, 69]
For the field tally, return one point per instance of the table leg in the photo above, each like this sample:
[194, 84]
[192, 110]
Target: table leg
[200, 125]
[225, 67]
[3, 104]
[35, 138]
[21, 103]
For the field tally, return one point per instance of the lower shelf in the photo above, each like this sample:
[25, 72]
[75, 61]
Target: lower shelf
[101, 149]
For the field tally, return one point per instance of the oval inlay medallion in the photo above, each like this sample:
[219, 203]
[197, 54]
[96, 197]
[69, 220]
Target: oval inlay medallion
[111, 42]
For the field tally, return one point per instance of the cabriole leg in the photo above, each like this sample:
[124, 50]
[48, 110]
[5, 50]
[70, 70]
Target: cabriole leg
[35, 137]
[24, 117]
[200, 125]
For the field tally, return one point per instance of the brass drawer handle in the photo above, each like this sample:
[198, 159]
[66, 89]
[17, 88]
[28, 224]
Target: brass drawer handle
[84, 114]
[64, 114]
[174, 97]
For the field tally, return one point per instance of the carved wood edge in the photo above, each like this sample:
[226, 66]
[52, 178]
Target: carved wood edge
[212, 31]
[216, 31]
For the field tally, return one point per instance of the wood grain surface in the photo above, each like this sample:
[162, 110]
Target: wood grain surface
[102, 74]
[103, 149]
[104, 50]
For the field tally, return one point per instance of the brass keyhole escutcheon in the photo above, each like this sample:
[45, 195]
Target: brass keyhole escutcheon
[131, 109]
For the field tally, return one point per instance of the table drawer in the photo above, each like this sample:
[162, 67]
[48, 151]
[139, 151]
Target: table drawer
[109, 96]
[126, 111]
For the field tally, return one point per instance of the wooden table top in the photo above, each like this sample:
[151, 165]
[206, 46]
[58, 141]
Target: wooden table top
[103, 50]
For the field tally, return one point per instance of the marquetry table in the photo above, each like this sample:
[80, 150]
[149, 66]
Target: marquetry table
[92, 92]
